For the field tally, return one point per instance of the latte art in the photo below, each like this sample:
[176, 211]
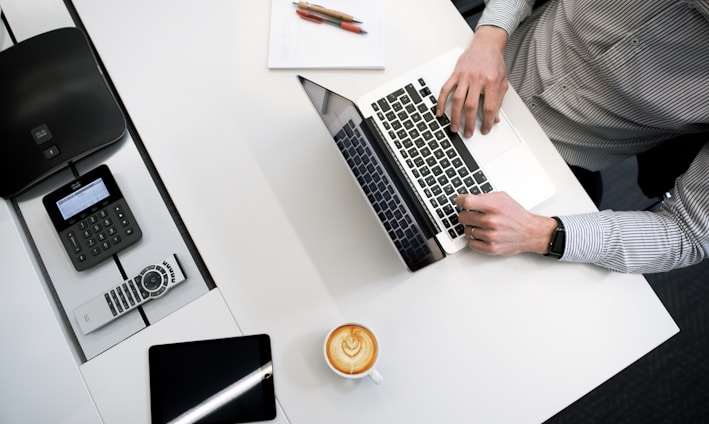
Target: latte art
[351, 349]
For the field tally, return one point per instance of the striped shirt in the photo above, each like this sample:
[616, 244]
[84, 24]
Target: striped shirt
[607, 79]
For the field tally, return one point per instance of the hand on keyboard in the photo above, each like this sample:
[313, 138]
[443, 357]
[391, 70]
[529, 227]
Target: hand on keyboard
[479, 74]
[501, 226]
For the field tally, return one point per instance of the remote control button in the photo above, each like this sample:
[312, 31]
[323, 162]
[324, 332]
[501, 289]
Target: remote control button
[152, 280]
[134, 291]
[159, 292]
[124, 302]
[110, 305]
[115, 301]
[139, 284]
[129, 295]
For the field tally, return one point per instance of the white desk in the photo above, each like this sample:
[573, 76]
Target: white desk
[256, 179]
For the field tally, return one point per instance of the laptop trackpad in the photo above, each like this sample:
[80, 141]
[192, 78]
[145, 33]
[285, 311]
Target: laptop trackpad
[500, 139]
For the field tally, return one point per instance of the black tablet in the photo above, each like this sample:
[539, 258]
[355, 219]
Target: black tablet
[212, 381]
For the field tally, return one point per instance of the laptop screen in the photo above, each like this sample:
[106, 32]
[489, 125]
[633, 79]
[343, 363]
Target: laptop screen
[378, 178]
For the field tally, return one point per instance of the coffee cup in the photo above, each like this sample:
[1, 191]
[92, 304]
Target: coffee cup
[352, 351]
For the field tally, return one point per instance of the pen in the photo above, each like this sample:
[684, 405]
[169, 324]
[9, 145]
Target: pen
[319, 19]
[325, 11]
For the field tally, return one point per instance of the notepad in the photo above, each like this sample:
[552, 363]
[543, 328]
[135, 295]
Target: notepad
[296, 43]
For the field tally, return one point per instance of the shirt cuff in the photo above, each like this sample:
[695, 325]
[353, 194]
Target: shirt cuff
[505, 14]
[584, 237]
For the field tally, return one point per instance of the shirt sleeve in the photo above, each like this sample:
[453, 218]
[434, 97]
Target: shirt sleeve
[506, 14]
[641, 241]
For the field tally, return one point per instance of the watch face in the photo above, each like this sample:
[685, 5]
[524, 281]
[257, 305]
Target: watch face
[558, 243]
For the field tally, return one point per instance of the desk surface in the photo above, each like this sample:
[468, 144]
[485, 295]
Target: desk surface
[283, 231]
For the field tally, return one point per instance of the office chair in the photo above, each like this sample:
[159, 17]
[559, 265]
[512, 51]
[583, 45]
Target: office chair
[659, 167]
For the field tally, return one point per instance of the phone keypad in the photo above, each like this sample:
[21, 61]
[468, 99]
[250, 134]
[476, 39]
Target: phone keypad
[104, 231]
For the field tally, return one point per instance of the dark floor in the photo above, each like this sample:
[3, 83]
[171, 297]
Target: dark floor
[671, 383]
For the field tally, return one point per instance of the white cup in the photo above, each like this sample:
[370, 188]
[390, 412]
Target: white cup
[351, 350]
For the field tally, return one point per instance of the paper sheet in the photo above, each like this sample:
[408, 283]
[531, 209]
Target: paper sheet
[298, 43]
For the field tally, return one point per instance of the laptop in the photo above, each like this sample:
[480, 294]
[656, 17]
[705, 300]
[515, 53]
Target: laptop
[411, 167]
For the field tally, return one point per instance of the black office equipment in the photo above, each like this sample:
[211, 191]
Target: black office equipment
[55, 108]
[226, 380]
[92, 218]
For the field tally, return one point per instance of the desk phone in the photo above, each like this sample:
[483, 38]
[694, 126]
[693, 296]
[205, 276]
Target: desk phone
[92, 218]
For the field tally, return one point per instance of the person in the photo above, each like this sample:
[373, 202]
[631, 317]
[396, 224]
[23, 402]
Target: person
[606, 80]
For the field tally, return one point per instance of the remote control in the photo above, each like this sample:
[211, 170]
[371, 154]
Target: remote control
[152, 282]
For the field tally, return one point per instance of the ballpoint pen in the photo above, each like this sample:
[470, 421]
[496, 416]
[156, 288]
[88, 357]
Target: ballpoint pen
[317, 18]
[325, 11]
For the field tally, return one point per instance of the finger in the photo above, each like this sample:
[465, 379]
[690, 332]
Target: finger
[467, 202]
[472, 219]
[480, 203]
[460, 201]
[446, 91]
[471, 113]
[490, 113]
[488, 120]
[457, 105]
[474, 233]
[491, 106]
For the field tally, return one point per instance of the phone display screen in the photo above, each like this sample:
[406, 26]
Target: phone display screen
[83, 198]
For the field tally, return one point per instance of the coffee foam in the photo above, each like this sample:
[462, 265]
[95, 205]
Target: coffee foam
[351, 349]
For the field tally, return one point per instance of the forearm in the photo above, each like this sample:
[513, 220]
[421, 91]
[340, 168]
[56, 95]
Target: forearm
[636, 241]
[639, 241]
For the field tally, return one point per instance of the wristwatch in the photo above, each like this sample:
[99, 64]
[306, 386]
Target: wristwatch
[557, 244]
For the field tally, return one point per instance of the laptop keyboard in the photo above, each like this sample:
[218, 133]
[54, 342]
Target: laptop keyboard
[441, 164]
[382, 194]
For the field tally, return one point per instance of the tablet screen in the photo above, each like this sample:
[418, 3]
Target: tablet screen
[212, 381]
